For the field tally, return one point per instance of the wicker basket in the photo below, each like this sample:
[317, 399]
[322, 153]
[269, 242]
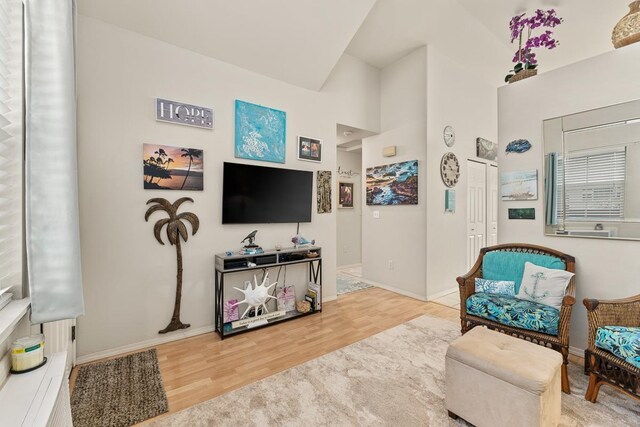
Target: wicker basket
[523, 75]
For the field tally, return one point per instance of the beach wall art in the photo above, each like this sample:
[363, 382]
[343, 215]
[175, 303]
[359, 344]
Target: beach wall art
[172, 168]
[260, 133]
[393, 184]
[521, 185]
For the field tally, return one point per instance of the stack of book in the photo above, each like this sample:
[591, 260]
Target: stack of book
[5, 297]
[251, 251]
[313, 296]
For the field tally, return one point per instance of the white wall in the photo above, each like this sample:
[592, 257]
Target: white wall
[421, 94]
[605, 268]
[129, 278]
[353, 91]
[458, 98]
[349, 220]
[397, 235]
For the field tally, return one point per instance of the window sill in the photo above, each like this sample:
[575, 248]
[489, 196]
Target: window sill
[11, 315]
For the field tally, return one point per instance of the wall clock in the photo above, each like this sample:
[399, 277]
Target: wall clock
[449, 169]
[449, 136]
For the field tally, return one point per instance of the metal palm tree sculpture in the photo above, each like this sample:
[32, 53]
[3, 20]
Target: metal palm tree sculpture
[176, 230]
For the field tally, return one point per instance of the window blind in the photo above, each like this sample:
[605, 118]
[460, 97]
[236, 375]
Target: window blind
[11, 145]
[595, 185]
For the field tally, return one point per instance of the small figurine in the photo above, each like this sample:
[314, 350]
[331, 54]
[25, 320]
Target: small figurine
[251, 238]
[298, 241]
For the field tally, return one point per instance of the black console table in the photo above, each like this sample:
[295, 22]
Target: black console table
[236, 263]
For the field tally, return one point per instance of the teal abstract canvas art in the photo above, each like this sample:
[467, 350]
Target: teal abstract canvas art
[260, 133]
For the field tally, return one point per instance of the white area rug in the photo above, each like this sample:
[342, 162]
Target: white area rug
[394, 378]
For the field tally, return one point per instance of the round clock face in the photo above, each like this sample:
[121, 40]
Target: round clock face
[449, 136]
[449, 169]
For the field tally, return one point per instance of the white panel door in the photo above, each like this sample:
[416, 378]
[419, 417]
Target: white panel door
[492, 205]
[476, 210]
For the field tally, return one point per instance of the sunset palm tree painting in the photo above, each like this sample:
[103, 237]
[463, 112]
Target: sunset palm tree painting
[191, 154]
[176, 232]
[172, 168]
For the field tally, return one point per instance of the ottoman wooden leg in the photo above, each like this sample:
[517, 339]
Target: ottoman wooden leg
[566, 388]
[452, 415]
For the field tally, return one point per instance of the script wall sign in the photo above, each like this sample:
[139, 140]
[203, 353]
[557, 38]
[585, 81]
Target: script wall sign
[347, 173]
[184, 114]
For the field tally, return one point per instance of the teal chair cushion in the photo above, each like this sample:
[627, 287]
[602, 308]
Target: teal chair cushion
[514, 312]
[621, 341]
[501, 265]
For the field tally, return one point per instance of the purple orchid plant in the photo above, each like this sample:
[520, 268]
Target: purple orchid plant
[522, 26]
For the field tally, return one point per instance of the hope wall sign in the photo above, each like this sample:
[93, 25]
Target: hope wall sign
[184, 114]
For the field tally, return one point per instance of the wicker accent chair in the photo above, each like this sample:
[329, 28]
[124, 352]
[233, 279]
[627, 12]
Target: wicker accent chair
[603, 366]
[560, 342]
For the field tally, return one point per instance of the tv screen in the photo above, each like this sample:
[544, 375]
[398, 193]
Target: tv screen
[259, 195]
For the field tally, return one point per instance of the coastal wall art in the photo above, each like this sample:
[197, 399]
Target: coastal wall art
[394, 184]
[521, 185]
[172, 168]
[518, 146]
[323, 186]
[260, 133]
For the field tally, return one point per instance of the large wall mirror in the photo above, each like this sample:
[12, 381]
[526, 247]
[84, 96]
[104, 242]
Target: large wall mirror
[592, 173]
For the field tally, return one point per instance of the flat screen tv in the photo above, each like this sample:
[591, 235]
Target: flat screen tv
[258, 194]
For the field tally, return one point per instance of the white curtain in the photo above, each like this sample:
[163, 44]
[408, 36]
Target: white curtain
[52, 226]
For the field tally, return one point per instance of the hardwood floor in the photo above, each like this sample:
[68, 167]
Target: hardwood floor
[200, 368]
[203, 367]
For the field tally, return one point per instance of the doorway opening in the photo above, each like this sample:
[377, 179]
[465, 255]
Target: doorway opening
[349, 187]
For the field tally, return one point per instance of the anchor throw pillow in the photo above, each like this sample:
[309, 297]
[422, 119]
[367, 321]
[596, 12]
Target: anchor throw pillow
[544, 285]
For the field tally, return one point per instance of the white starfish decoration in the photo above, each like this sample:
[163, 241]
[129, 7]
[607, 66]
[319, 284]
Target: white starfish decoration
[256, 296]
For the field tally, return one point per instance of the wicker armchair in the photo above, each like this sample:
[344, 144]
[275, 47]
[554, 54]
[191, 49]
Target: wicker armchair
[603, 367]
[560, 342]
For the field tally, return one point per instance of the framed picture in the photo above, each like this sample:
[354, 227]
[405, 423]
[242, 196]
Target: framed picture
[172, 168]
[486, 149]
[260, 133]
[522, 213]
[394, 184]
[345, 194]
[309, 149]
[521, 185]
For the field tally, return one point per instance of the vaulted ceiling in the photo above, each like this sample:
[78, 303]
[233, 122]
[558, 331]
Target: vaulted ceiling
[300, 41]
[297, 41]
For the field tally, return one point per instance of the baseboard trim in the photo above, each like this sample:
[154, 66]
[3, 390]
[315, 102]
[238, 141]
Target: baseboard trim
[396, 290]
[174, 336]
[576, 351]
[329, 298]
[339, 267]
[441, 294]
